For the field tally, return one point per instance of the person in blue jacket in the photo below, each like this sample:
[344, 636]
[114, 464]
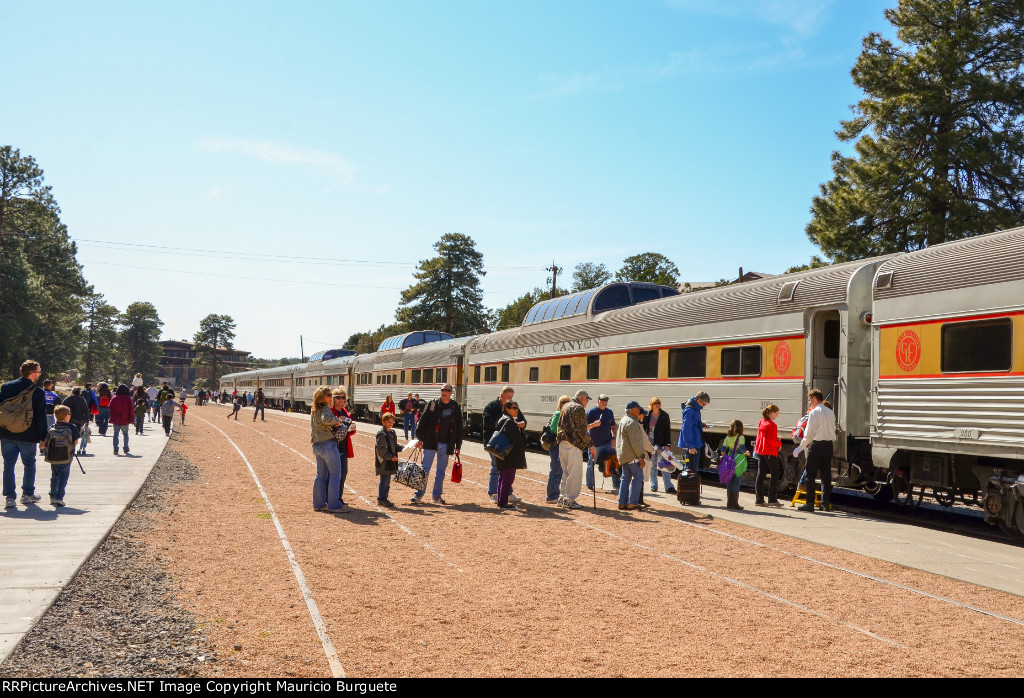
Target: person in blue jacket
[691, 437]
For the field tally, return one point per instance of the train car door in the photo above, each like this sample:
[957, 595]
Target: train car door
[825, 328]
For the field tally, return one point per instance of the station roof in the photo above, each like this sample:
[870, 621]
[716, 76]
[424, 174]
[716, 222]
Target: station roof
[412, 339]
[608, 297]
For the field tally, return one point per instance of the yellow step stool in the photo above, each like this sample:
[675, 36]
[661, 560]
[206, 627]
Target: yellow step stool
[801, 497]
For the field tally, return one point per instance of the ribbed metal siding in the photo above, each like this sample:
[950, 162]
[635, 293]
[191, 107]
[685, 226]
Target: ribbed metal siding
[929, 410]
[973, 262]
[737, 302]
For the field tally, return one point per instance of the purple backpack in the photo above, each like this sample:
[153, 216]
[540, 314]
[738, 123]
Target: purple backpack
[727, 464]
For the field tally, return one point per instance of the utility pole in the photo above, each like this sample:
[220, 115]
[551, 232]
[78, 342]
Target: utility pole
[302, 350]
[554, 269]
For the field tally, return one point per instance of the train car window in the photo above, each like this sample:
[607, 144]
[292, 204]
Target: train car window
[642, 294]
[532, 315]
[831, 343]
[667, 292]
[565, 372]
[504, 373]
[490, 374]
[442, 375]
[968, 347]
[534, 374]
[787, 291]
[612, 297]
[414, 340]
[560, 307]
[549, 311]
[476, 374]
[415, 378]
[584, 303]
[741, 361]
[330, 380]
[428, 375]
[688, 362]
[642, 364]
[593, 367]
[403, 377]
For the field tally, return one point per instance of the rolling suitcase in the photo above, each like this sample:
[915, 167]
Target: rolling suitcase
[688, 487]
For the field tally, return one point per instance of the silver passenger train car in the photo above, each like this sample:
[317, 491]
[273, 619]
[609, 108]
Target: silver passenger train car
[921, 355]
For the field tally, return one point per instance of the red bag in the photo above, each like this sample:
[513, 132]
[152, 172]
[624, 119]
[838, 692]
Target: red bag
[94, 410]
[457, 470]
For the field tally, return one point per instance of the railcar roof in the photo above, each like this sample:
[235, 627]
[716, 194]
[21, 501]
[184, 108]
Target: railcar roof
[412, 339]
[607, 297]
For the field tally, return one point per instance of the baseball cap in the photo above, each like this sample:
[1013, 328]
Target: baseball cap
[447, 386]
[581, 393]
[602, 396]
[633, 403]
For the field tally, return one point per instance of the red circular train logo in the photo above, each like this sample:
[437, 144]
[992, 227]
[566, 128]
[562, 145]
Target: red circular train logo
[782, 357]
[908, 350]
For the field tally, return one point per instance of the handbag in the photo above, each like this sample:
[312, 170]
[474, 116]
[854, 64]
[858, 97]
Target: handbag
[547, 439]
[457, 470]
[411, 474]
[727, 464]
[499, 445]
[611, 467]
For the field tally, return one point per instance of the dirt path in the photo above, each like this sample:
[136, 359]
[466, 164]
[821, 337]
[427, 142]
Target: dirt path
[464, 589]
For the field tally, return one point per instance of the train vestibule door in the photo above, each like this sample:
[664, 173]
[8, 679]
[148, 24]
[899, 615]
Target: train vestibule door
[825, 329]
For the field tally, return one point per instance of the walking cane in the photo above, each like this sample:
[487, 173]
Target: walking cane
[79, 463]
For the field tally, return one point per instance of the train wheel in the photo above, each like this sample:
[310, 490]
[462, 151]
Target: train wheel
[902, 491]
[945, 497]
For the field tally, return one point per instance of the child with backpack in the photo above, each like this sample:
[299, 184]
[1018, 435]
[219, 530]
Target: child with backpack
[236, 408]
[734, 449]
[59, 451]
[141, 407]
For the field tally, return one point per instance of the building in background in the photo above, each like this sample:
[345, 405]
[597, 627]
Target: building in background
[176, 364]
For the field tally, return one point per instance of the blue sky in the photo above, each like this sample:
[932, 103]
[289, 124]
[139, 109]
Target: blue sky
[334, 142]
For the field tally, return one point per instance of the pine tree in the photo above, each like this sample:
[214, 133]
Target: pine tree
[513, 314]
[99, 337]
[938, 135]
[41, 283]
[215, 332]
[138, 341]
[447, 294]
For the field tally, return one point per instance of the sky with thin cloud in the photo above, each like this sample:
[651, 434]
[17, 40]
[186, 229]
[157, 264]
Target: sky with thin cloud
[288, 164]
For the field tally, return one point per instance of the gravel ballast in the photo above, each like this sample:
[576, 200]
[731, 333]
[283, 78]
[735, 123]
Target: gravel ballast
[118, 616]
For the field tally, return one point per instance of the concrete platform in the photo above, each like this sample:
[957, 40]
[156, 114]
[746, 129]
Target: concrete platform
[45, 546]
[986, 563]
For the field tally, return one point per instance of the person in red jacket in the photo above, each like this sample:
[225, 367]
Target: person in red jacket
[122, 415]
[766, 450]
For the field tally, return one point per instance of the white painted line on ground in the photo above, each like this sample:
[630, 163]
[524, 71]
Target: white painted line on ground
[398, 523]
[704, 570]
[337, 671]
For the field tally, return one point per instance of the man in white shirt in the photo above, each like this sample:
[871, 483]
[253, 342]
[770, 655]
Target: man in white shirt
[818, 439]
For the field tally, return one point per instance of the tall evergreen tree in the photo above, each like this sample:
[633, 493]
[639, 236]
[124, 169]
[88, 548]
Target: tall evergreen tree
[649, 266]
[41, 283]
[215, 332]
[138, 341]
[588, 275]
[447, 294]
[99, 338]
[938, 135]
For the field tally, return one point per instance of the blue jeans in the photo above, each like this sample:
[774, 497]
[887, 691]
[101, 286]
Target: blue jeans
[328, 475]
[666, 475]
[11, 450]
[409, 424]
[102, 419]
[591, 460]
[554, 475]
[50, 421]
[343, 457]
[442, 467]
[59, 480]
[262, 410]
[734, 484]
[384, 487]
[632, 483]
[121, 429]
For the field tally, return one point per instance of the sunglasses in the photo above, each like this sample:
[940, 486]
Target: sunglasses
[445, 390]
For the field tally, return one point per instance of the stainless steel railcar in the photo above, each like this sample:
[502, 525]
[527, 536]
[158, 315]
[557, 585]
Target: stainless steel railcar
[922, 355]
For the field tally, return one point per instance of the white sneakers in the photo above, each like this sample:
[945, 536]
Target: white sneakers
[514, 499]
[494, 498]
